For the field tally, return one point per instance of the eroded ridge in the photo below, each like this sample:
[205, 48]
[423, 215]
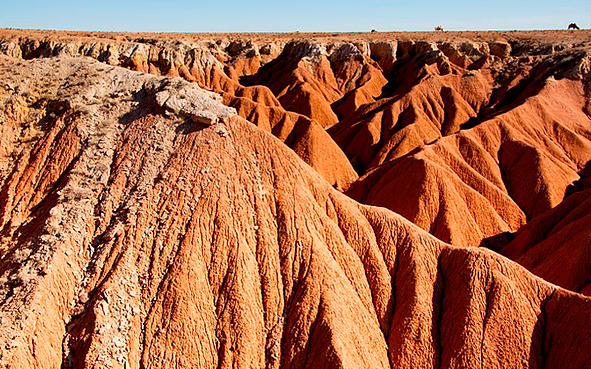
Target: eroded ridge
[136, 236]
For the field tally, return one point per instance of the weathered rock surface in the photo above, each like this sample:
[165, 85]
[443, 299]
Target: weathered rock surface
[492, 178]
[214, 65]
[309, 77]
[306, 137]
[438, 90]
[557, 244]
[143, 223]
[133, 236]
[508, 155]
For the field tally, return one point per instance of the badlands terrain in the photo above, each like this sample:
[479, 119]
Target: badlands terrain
[377, 200]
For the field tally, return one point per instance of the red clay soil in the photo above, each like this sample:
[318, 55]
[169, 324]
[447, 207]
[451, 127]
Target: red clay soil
[305, 136]
[214, 65]
[307, 78]
[432, 97]
[556, 245]
[148, 220]
[146, 229]
[494, 177]
[513, 165]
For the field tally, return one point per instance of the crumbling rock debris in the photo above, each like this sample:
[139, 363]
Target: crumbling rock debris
[180, 98]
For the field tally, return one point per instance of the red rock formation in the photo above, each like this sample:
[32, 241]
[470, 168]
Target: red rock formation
[144, 224]
[556, 245]
[216, 67]
[393, 127]
[172, 233]
[308, 80]
[490, 179]
[304, 136]
[433, 95]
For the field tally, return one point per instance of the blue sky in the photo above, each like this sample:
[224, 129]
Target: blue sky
[288, 16]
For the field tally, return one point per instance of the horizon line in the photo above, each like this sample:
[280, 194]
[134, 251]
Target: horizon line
[293, 32]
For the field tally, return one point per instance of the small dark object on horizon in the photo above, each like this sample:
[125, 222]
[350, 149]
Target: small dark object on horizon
[573, 26]
[439, 28]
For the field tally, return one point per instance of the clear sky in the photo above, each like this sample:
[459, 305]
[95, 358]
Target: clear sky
[289, 16]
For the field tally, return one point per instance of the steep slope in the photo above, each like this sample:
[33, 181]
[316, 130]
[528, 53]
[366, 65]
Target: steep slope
[149, 226]
[215, 66]
[557, 245]
[510, 168]
[431, 97]
[308, 78]
[306, 137]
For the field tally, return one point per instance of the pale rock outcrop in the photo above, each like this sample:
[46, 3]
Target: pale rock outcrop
[384, 53]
